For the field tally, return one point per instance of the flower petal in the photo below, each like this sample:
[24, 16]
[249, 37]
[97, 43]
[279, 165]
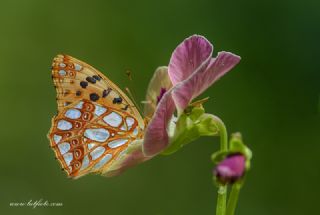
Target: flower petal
[231, 168]
[199, 81]
[156, 137]
[159, 80]
[192, 54]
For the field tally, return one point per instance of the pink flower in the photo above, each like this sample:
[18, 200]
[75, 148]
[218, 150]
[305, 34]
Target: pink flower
[231, 168]
[190, 72]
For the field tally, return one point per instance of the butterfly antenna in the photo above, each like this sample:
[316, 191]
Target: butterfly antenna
[133, 99]
[129, 75]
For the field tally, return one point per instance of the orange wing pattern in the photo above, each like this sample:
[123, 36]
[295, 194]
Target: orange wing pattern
[96, 121]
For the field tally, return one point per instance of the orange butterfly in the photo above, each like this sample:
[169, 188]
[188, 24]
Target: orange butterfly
[96, 121]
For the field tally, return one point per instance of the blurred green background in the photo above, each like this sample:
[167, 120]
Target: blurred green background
[272, 97]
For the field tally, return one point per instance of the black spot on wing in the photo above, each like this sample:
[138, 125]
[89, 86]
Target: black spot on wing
[106, 92]
[94, 97]
[83, 84]
[117, 100]
[91, 80]
[96, 77]
[125, 108]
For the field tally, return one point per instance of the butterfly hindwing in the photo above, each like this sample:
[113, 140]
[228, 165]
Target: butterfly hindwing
[92, 126]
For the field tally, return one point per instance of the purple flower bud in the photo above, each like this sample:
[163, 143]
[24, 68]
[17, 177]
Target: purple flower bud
[162, 92]
[231, 168]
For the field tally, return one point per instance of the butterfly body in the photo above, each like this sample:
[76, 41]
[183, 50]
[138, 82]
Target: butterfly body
[96, 121]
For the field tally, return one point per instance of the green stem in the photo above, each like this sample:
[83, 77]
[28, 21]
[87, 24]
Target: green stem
[233, 198]
[221, 200]
[223, 133]
[222, 189]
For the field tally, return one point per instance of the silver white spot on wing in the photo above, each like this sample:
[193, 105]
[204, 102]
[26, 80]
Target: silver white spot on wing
[123, 127]
[129, 121]
[57, 138]
[62, 72]
[103, 161]
[117, 143]
[64, 125]
[64, 147]
[135, 131]
[91, 145]
[77, 67]
[73, 114]
[113, 119]
[97, 152]
[68, 158]
[99, 110]
[62, 65]
[97, 134]
[79, 105]
[85, 162]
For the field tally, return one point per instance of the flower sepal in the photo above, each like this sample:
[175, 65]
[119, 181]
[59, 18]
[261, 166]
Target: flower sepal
[236, 145]
[191, 124]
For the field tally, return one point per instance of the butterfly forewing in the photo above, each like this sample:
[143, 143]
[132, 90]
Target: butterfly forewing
[75, 80]
[96, 121]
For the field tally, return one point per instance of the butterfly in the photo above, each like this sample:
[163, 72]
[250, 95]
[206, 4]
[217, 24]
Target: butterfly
[96, 121]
